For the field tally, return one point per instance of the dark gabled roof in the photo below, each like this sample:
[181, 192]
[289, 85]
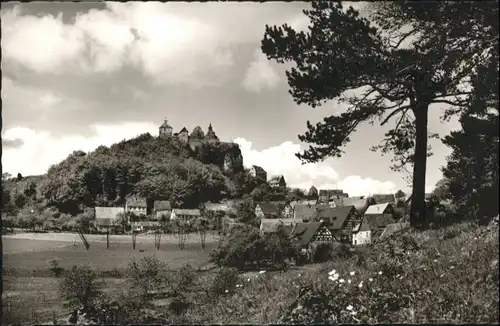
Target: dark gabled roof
[311, 202]
[393, 228]
[269, 208]
[336, 216]
[338, 200]
[304, 232]
[165, 124]
[183, 130]
[268, 225]
[258, 168]
[162, 205]
[378, 221]
[331, 192]
[304, 212]
[384, 198]
[357, 201]
[276, 179]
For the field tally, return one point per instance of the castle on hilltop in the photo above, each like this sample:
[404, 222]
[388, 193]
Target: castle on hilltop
[195, 140]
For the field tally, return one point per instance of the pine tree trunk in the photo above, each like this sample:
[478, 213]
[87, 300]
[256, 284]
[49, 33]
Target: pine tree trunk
[417, 209]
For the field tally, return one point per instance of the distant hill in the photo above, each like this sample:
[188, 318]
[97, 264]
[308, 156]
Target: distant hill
[147, 166]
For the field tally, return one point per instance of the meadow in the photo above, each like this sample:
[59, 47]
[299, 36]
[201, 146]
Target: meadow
[24, 254]
[29, 284]
[434, 276]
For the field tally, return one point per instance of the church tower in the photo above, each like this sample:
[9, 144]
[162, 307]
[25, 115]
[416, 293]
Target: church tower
[165, 129]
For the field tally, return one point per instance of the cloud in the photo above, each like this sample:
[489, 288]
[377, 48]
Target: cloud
[260, 75]
[38, 150]
[11, 143]
[167, 42]
[281, 159]
[49, 99]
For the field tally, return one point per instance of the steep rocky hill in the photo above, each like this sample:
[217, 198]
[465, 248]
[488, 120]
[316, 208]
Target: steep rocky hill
[156, 168]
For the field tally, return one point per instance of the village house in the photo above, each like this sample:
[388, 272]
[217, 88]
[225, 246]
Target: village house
[185, 214]
[361, 203]
[182, 135]
[311, 233]
[108, 218]
[339, 220]
[331, 197]
[373, 224]
[267, 210]
[381, 209]
[233, 204]
[304, 212]
[286, 211]
[165, 130]
[144, 226]
[384, 198]
[162, 209]
[213, 208]
[218, 212]
[258, 173]
[278, 183]
[137, 206]
[271, 225]
[303, 202]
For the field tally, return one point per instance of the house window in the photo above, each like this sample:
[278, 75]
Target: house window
[355, 242]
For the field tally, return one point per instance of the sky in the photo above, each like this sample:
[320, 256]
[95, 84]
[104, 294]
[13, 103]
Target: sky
[79, 75]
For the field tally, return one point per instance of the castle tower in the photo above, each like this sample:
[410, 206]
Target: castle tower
[211, 137]
[165, 129]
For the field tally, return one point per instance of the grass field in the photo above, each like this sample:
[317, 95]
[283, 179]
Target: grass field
[31, 299]
[34, 254]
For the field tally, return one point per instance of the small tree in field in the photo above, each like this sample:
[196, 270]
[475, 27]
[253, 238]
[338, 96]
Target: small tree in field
[202, 225]
[148, 273]
[80, 286]
[421, 54]
[181, 227]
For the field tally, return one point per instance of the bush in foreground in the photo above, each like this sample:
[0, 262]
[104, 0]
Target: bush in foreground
[80, 286]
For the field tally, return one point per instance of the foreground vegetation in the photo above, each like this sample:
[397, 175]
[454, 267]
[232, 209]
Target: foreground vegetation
[412, 277]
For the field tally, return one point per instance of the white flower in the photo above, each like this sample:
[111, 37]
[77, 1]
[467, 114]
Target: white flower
[349, 307]
[248, 280]
[354, 313]
[341, 280]
[227, 291]
[451, 267]
[360, 285]
[380, 273]
[370, 279]
[435, 260]
[349, 281]
[352, 273]
[262, 272]
[331, 272]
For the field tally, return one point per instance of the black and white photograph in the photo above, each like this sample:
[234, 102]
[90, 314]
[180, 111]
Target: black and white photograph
[201, 163]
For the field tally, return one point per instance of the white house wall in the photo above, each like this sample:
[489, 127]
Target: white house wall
[361, 237]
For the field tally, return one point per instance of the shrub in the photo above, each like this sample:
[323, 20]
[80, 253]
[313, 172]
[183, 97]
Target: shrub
[225, 281]
[80, 286]
[323, 252]
[186, 276]
[55, 268]
[148, 273]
